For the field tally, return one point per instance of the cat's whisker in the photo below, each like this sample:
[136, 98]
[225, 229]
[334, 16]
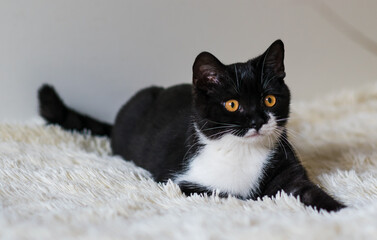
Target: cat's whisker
[234, 85]
[292, 133]
[264, 60]
[285, 139]
[194, 132]
[238, 82]
[219, 133]
[282, 119]
[184, 157]
[209, 129]
[237, 132]
[296, 136]
[229, 124]
[268, 81]
[197, 142]
[282, 146]
[235, 88]
[270, 145]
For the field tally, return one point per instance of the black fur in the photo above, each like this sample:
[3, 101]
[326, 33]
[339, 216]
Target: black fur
[155, 129]
[52, 108]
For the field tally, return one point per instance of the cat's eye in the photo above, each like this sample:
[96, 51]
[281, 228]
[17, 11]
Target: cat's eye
[270, 100]
[232, 105]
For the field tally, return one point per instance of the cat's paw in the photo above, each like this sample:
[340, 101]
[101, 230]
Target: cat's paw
[333, 206]
[51, 107]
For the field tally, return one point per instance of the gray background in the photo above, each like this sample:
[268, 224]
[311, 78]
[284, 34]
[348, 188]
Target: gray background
[98, 53]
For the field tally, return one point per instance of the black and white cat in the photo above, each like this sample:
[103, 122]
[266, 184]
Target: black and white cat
[225, 132]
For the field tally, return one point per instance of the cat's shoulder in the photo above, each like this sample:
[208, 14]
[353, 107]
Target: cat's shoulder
[175, 95]
[185, 89]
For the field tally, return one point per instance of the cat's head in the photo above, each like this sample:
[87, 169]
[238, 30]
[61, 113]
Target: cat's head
[249, 100]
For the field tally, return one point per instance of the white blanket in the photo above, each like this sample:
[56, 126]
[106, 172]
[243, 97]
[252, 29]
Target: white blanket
[58, 185]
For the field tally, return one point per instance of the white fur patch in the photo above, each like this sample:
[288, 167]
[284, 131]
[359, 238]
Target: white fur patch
[232, 164]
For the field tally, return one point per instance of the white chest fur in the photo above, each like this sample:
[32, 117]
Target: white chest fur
[228, 165]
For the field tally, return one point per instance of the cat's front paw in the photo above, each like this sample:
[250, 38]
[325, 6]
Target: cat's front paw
[333, 206]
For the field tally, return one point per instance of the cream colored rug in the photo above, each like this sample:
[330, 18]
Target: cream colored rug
[59, 185]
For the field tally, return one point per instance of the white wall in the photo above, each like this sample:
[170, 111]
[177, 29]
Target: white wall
[98, 53]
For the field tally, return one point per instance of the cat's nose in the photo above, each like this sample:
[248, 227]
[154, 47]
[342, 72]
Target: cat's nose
[256, 123]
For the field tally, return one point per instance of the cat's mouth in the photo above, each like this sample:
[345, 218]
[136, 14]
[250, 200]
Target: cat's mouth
[252, 133]
[267, 129]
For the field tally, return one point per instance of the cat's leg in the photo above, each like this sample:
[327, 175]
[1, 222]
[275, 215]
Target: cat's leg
[54, 111]
[296, 183]
[189, 188]
[311, 195]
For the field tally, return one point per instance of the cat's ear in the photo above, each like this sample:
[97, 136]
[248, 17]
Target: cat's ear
[273, 59]
[206, 70]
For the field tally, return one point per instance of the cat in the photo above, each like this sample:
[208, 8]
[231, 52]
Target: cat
[225, 132]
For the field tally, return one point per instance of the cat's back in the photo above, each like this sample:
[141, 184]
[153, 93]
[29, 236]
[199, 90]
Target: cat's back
[151, 123]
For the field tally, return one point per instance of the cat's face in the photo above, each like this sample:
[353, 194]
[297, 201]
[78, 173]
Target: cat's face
[249, 100]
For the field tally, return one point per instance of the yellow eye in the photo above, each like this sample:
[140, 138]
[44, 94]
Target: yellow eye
[270, 100]
[232, 105]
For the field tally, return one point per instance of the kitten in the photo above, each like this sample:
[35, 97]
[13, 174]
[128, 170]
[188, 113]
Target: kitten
[225, 132]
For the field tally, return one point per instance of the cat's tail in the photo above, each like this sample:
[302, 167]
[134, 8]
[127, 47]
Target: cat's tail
[54, 111]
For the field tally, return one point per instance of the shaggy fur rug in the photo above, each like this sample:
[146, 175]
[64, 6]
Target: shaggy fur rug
[58, 185]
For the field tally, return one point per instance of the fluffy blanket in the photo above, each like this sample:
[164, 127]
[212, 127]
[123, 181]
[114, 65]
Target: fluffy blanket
[58, 185]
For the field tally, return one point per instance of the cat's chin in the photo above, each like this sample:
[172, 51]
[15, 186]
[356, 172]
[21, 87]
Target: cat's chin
[268, 133]
[251, 137]
[266, 137]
